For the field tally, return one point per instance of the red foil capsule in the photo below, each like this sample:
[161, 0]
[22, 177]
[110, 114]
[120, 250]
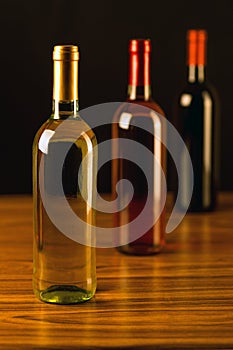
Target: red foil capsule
[139, 62]
[196, 44]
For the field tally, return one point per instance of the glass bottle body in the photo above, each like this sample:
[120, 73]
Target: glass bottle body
[64, 269]
[197, 122]
[142, 131]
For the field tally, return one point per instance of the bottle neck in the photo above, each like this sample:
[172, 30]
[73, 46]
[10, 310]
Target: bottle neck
[64, 109]
[65, 82]
[139, 92]
[196, 73]
[139, 85]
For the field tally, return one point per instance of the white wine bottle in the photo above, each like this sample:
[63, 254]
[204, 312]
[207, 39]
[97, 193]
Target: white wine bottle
[64, 269]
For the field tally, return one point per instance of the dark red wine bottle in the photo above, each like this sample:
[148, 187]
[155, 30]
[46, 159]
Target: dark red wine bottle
[140, 129]
[197, 120]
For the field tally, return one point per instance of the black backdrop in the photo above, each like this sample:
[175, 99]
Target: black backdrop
[29, 29]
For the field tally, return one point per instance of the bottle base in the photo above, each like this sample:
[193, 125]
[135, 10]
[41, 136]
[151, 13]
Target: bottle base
[200, 209]
[141, 249]
[64, 294]
[195, 208]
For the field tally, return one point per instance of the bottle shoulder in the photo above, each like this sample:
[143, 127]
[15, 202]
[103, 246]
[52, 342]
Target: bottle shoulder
[130, 115]
[197, 93]
[150, 103]
[69, 129]
[198, 88]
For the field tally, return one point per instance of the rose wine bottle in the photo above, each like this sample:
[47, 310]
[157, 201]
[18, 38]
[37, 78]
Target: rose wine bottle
[137, 121]
[197, 120]
[64, 171]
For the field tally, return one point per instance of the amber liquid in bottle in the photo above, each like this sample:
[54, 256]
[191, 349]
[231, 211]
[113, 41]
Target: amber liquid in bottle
[139, 96]
[196, 119]
[64, 269]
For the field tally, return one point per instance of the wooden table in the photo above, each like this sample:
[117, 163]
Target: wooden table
[179, 299]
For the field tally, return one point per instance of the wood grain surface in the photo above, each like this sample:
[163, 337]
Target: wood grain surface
[179, 299]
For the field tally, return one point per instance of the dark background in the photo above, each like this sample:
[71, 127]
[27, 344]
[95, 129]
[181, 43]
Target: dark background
[30, 28]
